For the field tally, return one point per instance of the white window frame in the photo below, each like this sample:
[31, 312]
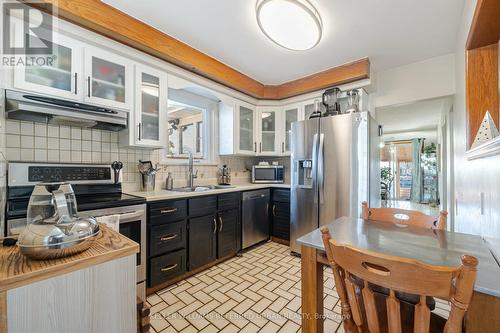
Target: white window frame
[209, 130]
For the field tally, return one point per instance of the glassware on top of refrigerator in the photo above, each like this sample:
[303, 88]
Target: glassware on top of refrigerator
[317, 110]
[352, 101]
[330, 101]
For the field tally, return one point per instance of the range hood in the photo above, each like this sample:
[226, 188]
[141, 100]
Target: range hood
[43, 109]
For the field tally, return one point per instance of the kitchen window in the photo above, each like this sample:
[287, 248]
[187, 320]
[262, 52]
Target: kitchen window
[189, 127]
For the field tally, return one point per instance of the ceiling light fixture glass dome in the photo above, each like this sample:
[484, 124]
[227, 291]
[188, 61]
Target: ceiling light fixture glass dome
[292, 24]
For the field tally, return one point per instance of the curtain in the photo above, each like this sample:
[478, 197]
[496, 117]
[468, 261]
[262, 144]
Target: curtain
[417, 179]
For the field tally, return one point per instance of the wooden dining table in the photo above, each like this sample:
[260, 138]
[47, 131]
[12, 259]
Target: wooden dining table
[433, 247]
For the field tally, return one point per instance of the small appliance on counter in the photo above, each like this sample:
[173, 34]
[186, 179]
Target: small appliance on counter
[224, 175]
[54, 229]
[263, 173]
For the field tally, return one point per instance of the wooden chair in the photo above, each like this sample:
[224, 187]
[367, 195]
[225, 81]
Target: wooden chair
[366, 310]
[404, 216]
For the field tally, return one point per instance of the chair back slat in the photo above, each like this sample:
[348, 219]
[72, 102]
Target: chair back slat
[397, 274]
[353, 300]
[370, 309]
[345, 306]
[422, 317]
[405, 217]
[393, 313]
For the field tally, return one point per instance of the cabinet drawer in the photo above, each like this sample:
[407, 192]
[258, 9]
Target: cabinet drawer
[168, 210]
[202, 206]
[167, 237]
[166, 267]
[281, 195]
[229, 201]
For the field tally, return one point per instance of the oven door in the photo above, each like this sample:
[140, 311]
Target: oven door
[132, 226]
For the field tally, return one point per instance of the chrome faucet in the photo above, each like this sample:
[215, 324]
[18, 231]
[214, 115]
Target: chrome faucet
[191, 175]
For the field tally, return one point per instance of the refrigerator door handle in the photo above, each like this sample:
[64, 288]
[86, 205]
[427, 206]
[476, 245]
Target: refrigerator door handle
[314, 167]
[321, 167]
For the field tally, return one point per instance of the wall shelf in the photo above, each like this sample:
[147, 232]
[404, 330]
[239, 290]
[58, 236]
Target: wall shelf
[487, 149]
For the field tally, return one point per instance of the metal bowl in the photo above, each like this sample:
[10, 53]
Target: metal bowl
[51, 241]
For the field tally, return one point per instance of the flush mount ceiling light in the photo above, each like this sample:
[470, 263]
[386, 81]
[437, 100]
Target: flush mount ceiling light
[292, 24]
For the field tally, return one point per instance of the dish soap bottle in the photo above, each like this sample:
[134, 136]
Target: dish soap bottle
[170, 181]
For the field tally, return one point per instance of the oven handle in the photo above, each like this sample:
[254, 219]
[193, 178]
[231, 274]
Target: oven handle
[127, 217]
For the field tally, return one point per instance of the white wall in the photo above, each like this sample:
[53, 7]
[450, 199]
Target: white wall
[477, 183]
[418, 81]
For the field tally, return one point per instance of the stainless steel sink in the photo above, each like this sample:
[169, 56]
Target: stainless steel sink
[193, 189]
[203, 188]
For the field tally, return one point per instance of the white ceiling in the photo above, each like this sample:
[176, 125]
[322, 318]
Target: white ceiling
[414, 120]
[390, 32]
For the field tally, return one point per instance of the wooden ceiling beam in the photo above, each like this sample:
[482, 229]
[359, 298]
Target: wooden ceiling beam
[112, 23]
[485, 26]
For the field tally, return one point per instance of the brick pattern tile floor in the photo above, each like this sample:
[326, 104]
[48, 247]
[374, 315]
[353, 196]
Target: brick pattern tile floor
[257, 292]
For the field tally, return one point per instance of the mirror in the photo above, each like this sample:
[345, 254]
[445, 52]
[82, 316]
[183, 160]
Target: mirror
[185, 130]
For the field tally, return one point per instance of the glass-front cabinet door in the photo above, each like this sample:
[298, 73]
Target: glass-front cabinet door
[58, 75]
[268, 130]
[108, 79]
[291, 114]
[150, 107]
[246, 129]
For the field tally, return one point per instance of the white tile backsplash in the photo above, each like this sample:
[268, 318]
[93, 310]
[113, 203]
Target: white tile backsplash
[26, 128]
[27, 141]
[40, 130]
[13, 127]
[65, 132]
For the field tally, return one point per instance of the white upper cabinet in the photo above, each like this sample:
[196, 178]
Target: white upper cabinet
[290, 114]
[246, 124]
[268, 130]
[108, 78]
[60, 76]
[148, 120]
[237, 128]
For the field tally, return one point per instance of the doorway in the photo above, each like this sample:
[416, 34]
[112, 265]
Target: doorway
[413, 155]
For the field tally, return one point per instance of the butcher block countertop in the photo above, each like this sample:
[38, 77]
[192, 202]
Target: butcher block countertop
[16, 270]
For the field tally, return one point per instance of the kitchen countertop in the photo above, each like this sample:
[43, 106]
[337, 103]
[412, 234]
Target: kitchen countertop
[16, 270]
[433, 247]
[167, 195]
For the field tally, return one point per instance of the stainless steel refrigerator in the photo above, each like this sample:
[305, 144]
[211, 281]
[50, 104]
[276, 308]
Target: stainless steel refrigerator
[334, 167]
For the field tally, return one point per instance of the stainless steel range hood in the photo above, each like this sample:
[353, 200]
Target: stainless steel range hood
[43, 109]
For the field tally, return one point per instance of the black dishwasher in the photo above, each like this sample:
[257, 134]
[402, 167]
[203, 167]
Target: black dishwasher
[255, 217]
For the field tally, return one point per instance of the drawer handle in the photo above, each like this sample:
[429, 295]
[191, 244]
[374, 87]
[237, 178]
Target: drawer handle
[168, 237]
[168, 210]
[168, 268]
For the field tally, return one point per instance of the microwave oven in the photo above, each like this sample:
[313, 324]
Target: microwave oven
[262, 174]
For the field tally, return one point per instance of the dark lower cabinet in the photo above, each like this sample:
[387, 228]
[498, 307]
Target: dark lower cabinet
[186, 234]
[167, 237]
[202, 240]
[280, 212]
[227, 235]
[166, 267]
